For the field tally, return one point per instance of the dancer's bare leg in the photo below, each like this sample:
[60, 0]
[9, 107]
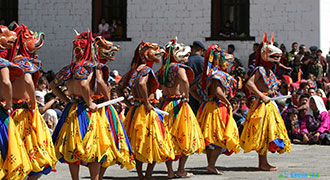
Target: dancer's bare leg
[74, 171]
[264, 165]
[150, 168]
[138, 167]
[212, 156]
[94, 170]
[170, 172]
[102, 171]
[181, 171]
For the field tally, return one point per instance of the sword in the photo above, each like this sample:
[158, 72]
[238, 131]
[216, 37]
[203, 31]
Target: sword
[280, 97]
[107, 103]
[162, 112]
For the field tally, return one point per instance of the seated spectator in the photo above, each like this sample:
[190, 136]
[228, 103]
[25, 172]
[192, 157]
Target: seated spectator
[41, 91]
[104, 29]
[316, 123]
[228, 30]
[293, 124]
[311, 92]
[48, 110]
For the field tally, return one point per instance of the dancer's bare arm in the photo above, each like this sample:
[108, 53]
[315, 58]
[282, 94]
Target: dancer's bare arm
[184, 82]
[30, 88]
[193, 92]
[251, 85]
[57, 91]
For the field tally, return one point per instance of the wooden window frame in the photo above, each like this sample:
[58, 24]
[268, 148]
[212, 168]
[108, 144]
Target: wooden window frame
[217, 22]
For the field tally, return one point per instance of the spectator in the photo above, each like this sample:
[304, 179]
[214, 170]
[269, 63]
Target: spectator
[252, 56]
[322, 61]
[315, 67]
[292, 54]
[293, 126]
[328, 62]
[119, 30]
[316, 123]
[48, 110]
[196, 62]
[228, 30]
[104, 28]
[231, 50]
[41, 91]
[113, 27]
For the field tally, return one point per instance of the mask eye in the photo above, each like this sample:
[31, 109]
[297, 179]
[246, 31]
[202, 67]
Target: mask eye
[270, 51]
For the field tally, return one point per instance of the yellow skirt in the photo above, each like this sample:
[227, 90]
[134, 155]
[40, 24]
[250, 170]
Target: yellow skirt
[186, 134]
[86, 137]
[36, 138]
[264, 130]
[218, 126]
[16, 164]
[148, 136]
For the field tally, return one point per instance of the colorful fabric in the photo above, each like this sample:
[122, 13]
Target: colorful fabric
[81, 136]
[14, 70]
[79, 72]
[173, 69]
[186, 135]
[141, 72]
[36, 138]
[28, 65]
[264, 129]
[268, 77]
[218, 126]
[14, 160]
[148, 135]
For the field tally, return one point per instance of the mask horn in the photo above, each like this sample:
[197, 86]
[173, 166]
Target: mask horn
[76, 32]
[264, 38]
[273, 38]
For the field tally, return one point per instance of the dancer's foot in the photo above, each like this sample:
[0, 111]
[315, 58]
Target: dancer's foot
[213, 170]
[171, 175]
[267, 167]
[184, 174]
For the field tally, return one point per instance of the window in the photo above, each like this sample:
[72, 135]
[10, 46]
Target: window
[230, 20]
[8, 11]
[114, 13]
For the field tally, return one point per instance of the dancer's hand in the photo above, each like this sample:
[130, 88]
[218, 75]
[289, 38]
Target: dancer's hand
[265, 99]
[92, 107]
[149, 107]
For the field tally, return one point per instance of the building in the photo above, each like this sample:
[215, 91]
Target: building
[159, 21]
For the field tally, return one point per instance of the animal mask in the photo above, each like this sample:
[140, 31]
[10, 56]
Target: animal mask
[106, 49]
[7, 38]
[270, 53]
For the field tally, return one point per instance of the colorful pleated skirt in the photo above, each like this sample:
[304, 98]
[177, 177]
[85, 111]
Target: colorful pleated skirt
[148, 136]
[186, 135]
[82, 137]
[14, 160]
[264, 129]
[218, 126]
[36, 138]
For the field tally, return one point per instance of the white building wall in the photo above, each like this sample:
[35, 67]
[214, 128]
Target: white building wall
[57, 19]
[160, 21]
[294, 20]
[325, 26]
